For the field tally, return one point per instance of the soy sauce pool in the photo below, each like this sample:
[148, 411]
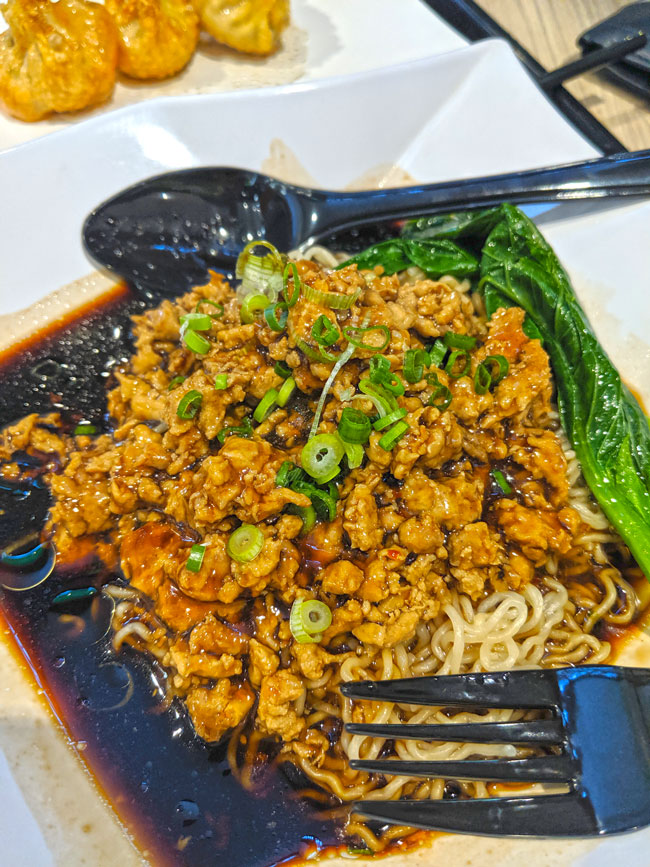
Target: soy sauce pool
[176, 794]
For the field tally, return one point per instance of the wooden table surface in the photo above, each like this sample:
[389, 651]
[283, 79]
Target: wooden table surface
[548, 29]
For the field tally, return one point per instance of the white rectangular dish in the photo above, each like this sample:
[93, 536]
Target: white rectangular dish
[469, 112]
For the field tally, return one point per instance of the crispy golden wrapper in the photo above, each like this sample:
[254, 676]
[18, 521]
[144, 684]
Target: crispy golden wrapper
[253, 26]
[56, 57]
[156, 37]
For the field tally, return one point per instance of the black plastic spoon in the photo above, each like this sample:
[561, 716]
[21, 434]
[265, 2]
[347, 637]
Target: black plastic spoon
[162, 235]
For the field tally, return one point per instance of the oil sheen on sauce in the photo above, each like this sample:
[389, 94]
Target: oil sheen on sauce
[175, 793]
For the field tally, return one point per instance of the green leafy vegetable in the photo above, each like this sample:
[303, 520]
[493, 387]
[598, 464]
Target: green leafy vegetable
[603, 420]
[436, 257]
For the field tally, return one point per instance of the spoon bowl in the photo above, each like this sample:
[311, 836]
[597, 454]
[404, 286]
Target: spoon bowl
[164, 234]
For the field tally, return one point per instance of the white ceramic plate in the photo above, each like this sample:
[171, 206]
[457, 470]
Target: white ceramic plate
[472, 111]
[325, 38]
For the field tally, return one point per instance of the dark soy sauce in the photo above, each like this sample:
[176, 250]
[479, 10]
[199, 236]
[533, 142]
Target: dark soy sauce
[176, 794]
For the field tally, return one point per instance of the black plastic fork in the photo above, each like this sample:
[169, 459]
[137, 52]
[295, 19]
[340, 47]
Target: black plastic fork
[600, 722]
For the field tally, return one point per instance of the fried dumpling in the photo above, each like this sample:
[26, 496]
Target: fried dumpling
[55, 57]
[156, 37]
[253, 26]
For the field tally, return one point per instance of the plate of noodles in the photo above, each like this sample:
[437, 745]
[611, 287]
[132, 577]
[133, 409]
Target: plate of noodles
[348, 463]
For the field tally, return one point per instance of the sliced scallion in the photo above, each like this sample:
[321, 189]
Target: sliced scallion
[245, 543]
[189, 404]
[321, 456]
[383, 401]
[323, 501]
[288, 474]
[380, 373]
[251, 305]
[502, 365]
[482, 379]
[333, 300]
[501, 481]
[452, 369]
[354, 426]
[343, 358]
[306, 513]
[459, 341]
[308, 619]
[286, 390]
[176, 381]
[276, 316]
[324, 331]
[441, 395]
[282, 369]
[195, 560]
[264, 407]
[196, 342]
[260, 273]
[388, 420]
[436, 353]
[354, 454]
[291, 270]
[84, 429]
[221, 381]
[245, 429]
[415, 360]
[196, 321]
[355, 333]
[393, 436]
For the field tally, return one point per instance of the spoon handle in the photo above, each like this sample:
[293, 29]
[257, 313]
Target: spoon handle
[626, 174]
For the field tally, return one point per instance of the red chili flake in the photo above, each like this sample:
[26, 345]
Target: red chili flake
[394, 554]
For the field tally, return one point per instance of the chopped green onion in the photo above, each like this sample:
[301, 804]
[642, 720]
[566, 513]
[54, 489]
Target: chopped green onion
[245, 543]
[251, 305]
[436, 353]
[459, 341]
[352, 851]
[379, 368]
[322, 454]
[245, 429]
[264, 407]
[196, 321]
[313, 353]
[333, 300]
[354, 426]
[220, 308]
[282, 369]
[288, 474]
[381, 374]
[354, 453]
[324, 331]
[482, 379]
[194, 341]
[195, 560]
[323, 501]
[503, 366]
[189, 404]
[221, 381]
[84, 429]
[70, 597]
[343, 358]
[308, 619]
[177, 380]
[355, 332]
[276, 316]
[260, 273]
[383, 401]
[441, 395]
[388, 420]
[415, 360]
[306, 513]
[458, 355]
[295, 295]
[286, 390]
[501, 481]
[393, 436]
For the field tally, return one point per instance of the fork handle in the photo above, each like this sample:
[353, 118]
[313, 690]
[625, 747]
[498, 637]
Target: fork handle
[625, 174]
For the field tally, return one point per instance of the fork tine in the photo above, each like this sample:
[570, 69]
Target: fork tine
[534, 731]
[539, 769]
[567, 815]
[499, 689]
